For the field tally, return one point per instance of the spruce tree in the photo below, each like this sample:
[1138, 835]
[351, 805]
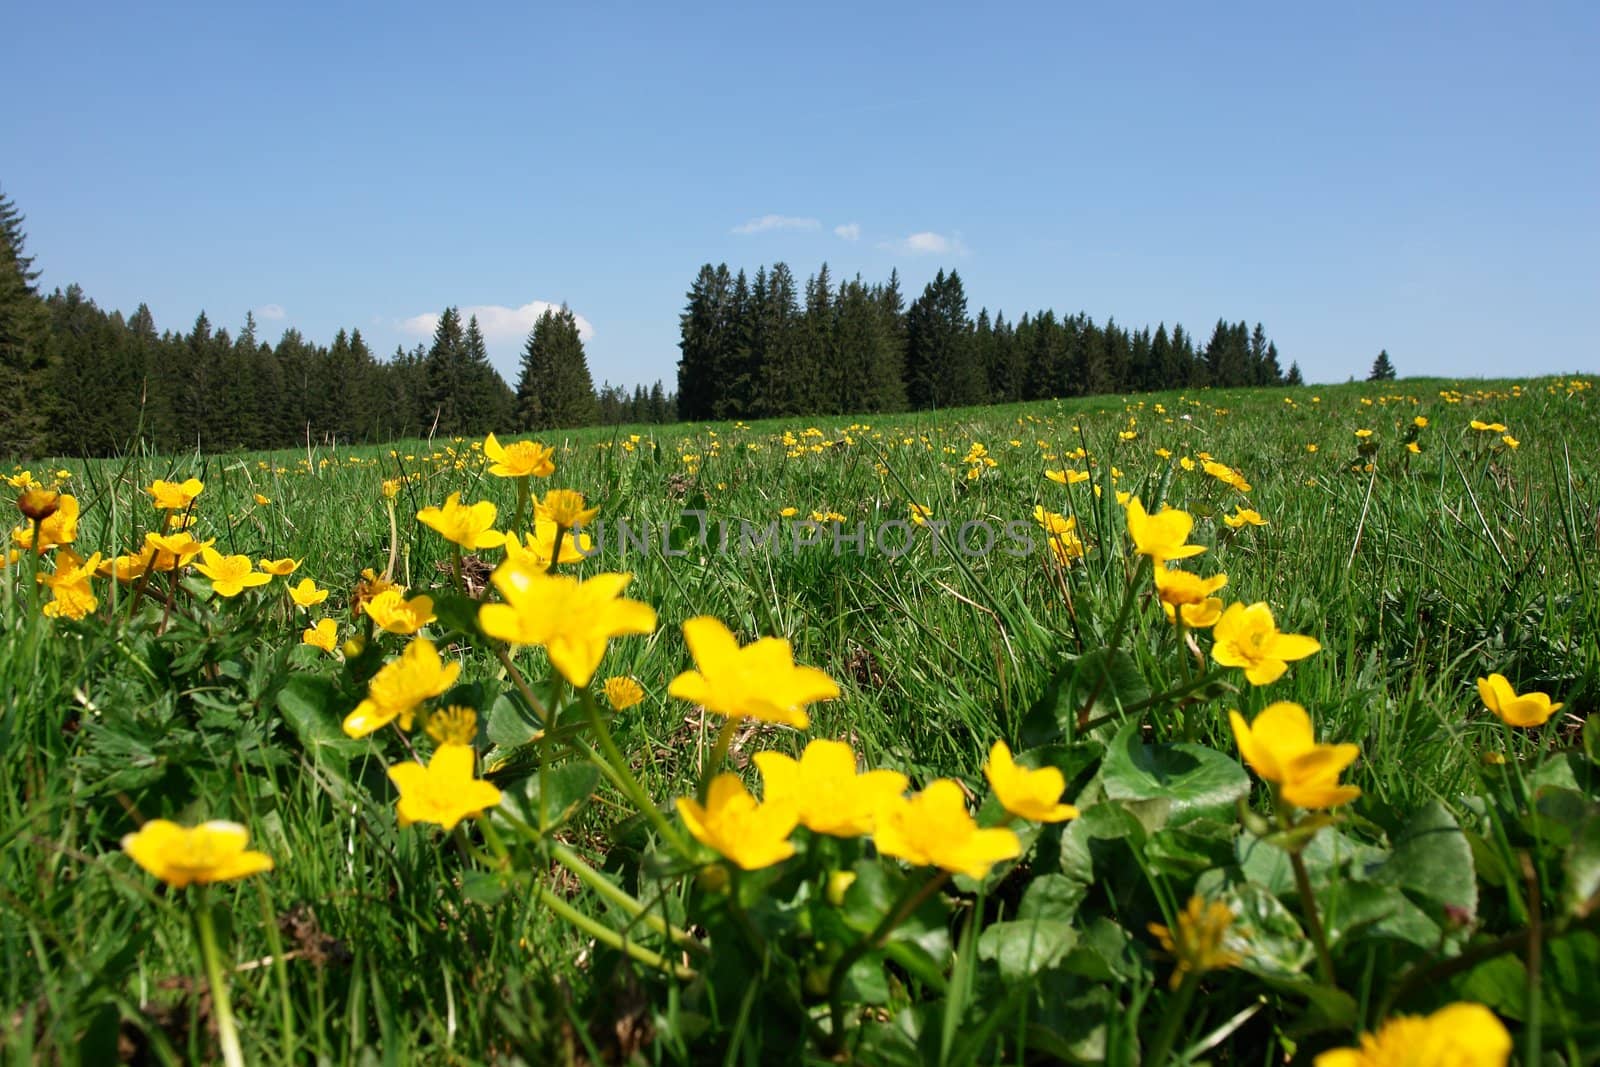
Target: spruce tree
[24, 336]
[555, 389]
[1382, 368]
[1294, 377]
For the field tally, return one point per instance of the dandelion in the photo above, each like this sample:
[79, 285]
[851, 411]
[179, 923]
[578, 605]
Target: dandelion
[230, 575]
[1189, 596]
[307, 594]
[1420, 422]
[390, 611]
[180, 856]
[1414, 448]
[830, 797]
[622, 692]
[933, 829]
[470, 526]
[1282, 748]
[73, 596]
[520, 459]
[1034, 795]
[749, 834]
[1363, 434]
[175, 496]
[758, 681]
[570, 619]
[399, 686]
[1528, 709]
[1248, 637]
[1200, 942]
[280, 568]
[1161, 536]
[323, 634]
[1462, 1034]
[443, 792]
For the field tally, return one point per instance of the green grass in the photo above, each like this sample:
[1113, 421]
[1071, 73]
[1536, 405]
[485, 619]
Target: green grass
[370, 943]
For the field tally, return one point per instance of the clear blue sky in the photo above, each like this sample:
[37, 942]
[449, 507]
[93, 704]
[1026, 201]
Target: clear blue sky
[1421, 178]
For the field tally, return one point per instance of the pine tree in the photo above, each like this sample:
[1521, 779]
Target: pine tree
[1382, 368]
[940, 368]
[446, 373]
[1294, 375]
[555, 389]
[24, 337]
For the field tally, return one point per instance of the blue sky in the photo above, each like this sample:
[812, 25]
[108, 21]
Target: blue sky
[1421, 178]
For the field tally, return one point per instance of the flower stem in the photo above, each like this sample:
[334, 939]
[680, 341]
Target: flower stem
[719, 752]
[897, 915]
[1308, 902]
[624, 776]
[227, 1035]
[1161, 1048]
[607, 936]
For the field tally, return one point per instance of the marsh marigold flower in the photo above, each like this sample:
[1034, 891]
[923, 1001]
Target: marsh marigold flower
[1200, 942]
[307, 594]
[38, 503]
[1161, 536]
[1248, 637]
[443, 792]
[280, 568]
[623, 693]
[540, 543]
[933, 829]
[175, 496]
[748, 834]
[73, 595]
[570, 619]
[1244, 517]
[390, 611]
[399, 686]
[1528, 709]
[1282, 748]
[1458, 1035]
[175, 550]
[564, 507]
[823, 785]
[1034, 795]
[60, 527]
[519, 459]
[758, 681]
[1063, 534]
[180, 855]
[468, 525]
[1189, 596]
[127, 568]
[230, 575]
[323, 634]
[1226, 475]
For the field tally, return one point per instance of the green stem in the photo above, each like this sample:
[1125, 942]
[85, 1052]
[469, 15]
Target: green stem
[621, 897]
[625, 779]
[394, 541]
[522, 503]
[897, 915]
[719, 752]
[227, 1035]
[455, 568]
[1308, 902]
[1161, 1048]
[534, 703]
[607, 936]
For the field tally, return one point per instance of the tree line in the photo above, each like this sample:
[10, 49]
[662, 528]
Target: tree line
[767, 347]
[79, 380]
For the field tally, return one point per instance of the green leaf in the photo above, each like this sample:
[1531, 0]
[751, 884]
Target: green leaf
[1265, 934]
[1025, 947]
[511, 722]
[1432, 858]
[1192, 779]
[458, 614]
[485, 887]
[1581, 864]
[309, 704]
[1053, 897]
[565, 788]
[1357, 911]
[1192, 848]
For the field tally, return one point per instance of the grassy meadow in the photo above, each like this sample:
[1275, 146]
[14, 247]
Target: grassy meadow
[1211, 898]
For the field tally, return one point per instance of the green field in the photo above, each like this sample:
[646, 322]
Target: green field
[568, 925]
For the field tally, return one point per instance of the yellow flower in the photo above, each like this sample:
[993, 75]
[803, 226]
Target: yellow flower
[230, 575]
[392, 612]
[38, 503]
[59, 528]
[444, 791]
[470, 526]
[308, 594]
[262, 500]
[1488, 427]
[569, 619]
[1511, 442]
[933, 829]
[73, 595]
[825, 789]
[1200, 942]
[622, 692]
[1161, 536]
[175, 550]
[1281, 747]
[453, 725]
[1311, 448]
[179, 855]
[576, 546]
[281, 568]
[1063, 532]
[1457, 1035]
[1363, 434]
[520, 459]
[564, 507]
[1244, 517]
[391, 487]
[1189, 596]
[759, 680]
[175, 496]
[324, 634]
[1247, 637]
[1529, 709]
[1034, 795]
[127, 568]
[1226, 474]
[1414, 448]
[789, 513]
[920, 514]
[399, 686]
[1420, 422]
[752, 835]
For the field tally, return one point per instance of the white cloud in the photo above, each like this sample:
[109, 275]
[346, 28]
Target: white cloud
[499, 324]
[850, 231]
[776, 222]
[928, 243]
[270, 311]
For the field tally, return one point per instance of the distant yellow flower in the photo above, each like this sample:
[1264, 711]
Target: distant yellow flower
[622, 692]
[1510, 442]
[263, 500]
[1190, 596]
[1161, 536]
[399, 686]
[1248, 637]
[1063, 534]
[453, 725]
[127, 568]
[540, 542]
[307, 594]
[175, 550]
[73, 594]
[443, 792]
[468, 525]
[1034, 795]
[1311, 448]
[175, 496]
[230, 575]
[58, 528]
[1458, 1035]
[570, 619]
[920, 514]
[323, 634]
[933, 829]
[1282, 748]
[391, 487]
[1244, 517]
[1227, 475]
[1529, 709]
[759, 681]
[390, 611]
[825, 789]
[1414, 448]
[1200, 943]
[180, 856]
[564, 507]
[1363, 434]
[1420, 422]
[1488, 427]
[520, 459]
[749, 834]
[280, 568]
[789, 513]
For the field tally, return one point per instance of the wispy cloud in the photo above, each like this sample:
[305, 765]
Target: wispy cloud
[928, 243]
[270, 311]
[776, 222]
[850, 231]
[498, 323]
